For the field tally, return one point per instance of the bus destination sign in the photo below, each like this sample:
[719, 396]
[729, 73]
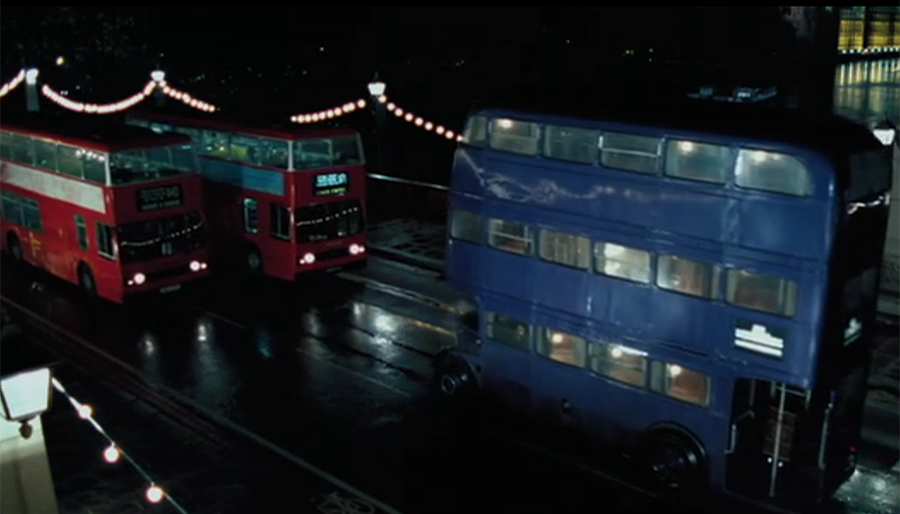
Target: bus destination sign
[331, 184]
[156, 198]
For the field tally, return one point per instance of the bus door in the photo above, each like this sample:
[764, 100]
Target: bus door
[775, 444]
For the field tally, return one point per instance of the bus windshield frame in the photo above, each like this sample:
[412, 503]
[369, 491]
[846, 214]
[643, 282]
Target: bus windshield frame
[153, 163]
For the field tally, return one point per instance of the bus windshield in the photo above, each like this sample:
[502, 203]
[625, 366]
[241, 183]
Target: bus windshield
[326, 153]
[325, 221]
[161, 237]
[130, 166]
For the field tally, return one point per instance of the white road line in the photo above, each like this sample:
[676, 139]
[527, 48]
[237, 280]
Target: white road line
[223, 319]
[356, 374]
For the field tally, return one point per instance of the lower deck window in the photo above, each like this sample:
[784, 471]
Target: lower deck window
[683, 384]
[511, 331]
[619, 363]
[562, 347]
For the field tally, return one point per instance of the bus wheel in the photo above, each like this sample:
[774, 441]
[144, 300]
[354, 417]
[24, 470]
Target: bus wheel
[252, 260]
[453, 375]
[674, 459]
[86, 280]
[14, 246]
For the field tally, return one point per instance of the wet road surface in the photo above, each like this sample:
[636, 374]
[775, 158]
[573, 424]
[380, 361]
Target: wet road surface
[338, 376]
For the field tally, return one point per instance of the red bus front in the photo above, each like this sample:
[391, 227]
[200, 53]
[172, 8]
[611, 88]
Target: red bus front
[160, 235]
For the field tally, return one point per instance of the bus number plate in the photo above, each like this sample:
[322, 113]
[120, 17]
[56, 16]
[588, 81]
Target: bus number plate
[169, 289]
[162, 197]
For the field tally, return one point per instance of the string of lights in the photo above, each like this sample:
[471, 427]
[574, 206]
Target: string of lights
[113, 453]
[158, 83]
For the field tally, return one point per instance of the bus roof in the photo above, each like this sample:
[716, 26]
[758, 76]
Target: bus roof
[87, 131]
[824, 133]
[280, 130]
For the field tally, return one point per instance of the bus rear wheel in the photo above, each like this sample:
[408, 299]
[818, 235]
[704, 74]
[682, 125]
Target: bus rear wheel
[252, 260]
[453, 376]
[14, 246]
[675, 461]
[86, 280]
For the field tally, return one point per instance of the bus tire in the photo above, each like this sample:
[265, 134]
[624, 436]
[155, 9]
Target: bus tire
[253, 263]
[675, 460]
[86, 280]
[453, 376]
[14, 246]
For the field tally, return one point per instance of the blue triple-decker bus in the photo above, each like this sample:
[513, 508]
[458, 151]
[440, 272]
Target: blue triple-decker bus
[694, 284]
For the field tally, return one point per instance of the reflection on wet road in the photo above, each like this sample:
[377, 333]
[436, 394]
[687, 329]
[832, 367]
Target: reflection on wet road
[868, 90]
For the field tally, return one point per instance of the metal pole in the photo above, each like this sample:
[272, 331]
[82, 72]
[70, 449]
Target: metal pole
[32, 100]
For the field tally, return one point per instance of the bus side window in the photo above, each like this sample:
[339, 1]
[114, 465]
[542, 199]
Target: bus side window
[45, 154]
[81, 232]
[510, 237]
[775, 172]
[31, 215]
[280, 221]
[562, 347]
[214, 143]
[687, 276]
[678, 382]
[245, 149]
[12, 207]
[698, 161]
[466, 225]
[251, 215]
[5, 145]
[22, 149]
[511, 331]
[765, 293]
[622, 262]
[105, 246]
[620, 363]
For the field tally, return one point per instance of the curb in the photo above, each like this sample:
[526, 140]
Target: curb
[406, 258]
[398, 291]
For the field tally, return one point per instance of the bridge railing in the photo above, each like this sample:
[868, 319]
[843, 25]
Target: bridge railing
[396, 197]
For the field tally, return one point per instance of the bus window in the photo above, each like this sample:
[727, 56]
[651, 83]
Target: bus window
[515, 136]
[630, 152]
[508, 330]
[347, 151]
[619, 363]
[562, 347]
[183, 158]
[565, 249]
[70, 161]
[571, 144]
[251, 215]
[273, 153]
[466, 225]
[45, 154]
[510, 237]
[31, 215]
[12, 207]
[698, 161]
[678, 382]
[22, 148]
[312, 154]
[245, 149]
[5, 145]
[475, 133]
[280, 221]
[622, 262]
[762, 292]
[686, 276]
[774, 172]
[214, 143]
[81, 232]
[105, 241]
[94, 167]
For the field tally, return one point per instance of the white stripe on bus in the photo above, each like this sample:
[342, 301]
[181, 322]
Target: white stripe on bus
[88, 196]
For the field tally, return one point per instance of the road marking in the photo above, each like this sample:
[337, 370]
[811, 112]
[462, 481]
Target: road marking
[356, 374]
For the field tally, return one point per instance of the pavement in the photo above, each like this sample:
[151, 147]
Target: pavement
[416, 242]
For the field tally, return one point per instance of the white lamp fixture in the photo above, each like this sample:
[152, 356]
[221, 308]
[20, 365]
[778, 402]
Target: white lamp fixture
[377, 88]
[158, 75]
[25, 395]
[31, 76]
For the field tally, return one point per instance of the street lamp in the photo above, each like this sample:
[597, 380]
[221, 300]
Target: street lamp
[376, 91]
[24, 396]
[886, 132]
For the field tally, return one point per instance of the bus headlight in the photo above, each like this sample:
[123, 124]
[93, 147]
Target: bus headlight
[356, 249]
[197, 265]
[139, 278]
[308, 259]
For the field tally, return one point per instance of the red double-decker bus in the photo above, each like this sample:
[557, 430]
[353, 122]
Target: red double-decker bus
[115, 209]
[284, 201]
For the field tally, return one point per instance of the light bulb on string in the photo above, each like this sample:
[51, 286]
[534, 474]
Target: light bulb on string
[111, 454]
[85, 411]
[155, 494]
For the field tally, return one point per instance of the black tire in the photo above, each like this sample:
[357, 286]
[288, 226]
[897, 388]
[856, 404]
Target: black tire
[253, 263]
[453, 376]
[14, 246]
[676, 461]
[86, 280]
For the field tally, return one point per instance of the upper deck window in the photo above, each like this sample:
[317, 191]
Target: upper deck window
[150, 164]
[567, 249]
[475, 133]
[687, 276]
[774, 172]
[630, 152]
[622, 262]
[515, 136]
[21, 148]
[571, 144]
[510, 237]
[765, 293]
[326, 153]
[698, 161]
[215, 143]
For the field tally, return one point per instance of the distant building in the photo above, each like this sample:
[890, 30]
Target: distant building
[871, 29]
